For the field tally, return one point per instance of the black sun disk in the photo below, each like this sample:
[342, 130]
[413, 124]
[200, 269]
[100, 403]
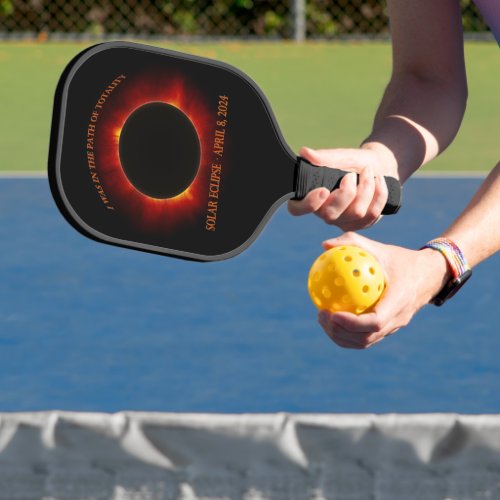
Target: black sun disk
[159, 150]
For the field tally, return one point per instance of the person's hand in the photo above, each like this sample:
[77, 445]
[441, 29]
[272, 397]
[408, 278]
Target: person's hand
[413, 278]
[351, 206]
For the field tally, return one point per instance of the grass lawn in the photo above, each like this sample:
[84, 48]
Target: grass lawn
[323, 94]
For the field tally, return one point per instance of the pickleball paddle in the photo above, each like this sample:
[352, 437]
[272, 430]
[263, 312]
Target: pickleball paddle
[172, 153]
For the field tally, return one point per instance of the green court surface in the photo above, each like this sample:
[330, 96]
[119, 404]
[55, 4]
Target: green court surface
[323, 94]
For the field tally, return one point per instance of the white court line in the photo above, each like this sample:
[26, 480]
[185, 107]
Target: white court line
[23, 174]
[454, 174]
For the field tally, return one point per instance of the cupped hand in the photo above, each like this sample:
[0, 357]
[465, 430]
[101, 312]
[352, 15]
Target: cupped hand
[413, 278]
[352, 206]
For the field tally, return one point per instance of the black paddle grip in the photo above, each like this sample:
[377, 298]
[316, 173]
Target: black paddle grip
[309, 177]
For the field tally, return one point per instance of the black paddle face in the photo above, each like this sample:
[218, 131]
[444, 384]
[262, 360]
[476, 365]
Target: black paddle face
[164, 152]
[159, 150]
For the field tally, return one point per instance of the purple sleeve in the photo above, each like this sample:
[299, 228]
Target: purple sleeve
[490, 9]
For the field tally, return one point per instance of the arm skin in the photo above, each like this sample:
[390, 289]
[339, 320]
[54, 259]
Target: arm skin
[418, 117]
[415, 277]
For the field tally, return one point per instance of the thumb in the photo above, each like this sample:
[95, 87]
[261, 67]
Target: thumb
[377, 249]
[349, 238]
[311, 155]
[338, 158]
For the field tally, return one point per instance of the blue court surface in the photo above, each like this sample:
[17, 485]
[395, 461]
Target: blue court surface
[90, 327]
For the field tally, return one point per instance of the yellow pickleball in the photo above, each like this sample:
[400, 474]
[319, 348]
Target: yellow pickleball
[346, 278]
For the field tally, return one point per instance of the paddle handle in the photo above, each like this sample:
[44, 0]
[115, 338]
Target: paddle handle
[309, 177]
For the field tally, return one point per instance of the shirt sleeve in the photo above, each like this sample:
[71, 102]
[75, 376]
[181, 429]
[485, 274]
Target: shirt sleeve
[490, 9]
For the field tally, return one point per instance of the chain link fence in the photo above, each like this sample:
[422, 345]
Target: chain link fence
[284, 19]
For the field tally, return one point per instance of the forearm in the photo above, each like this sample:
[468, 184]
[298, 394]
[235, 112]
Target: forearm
[477, 230]
[424, 103]
[416, 120]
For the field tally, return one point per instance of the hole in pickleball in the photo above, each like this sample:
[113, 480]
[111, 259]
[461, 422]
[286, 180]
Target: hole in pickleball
[372, 270]
[159, 150]
[366, 289]
[356, 273]
[348, 258]
[317, 300]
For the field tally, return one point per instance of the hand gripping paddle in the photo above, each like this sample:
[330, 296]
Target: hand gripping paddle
[172, 153]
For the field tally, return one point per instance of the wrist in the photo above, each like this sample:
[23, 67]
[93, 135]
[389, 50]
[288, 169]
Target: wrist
[437, 272]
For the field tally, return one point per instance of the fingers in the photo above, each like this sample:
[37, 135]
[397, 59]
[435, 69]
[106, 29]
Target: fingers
[364, 195]
[346, 338]
[380, 196]
[315, 199]
[355, 332]
[337, 158]
[338, 337]
[335, 205]
[352, 238]
[356, 204]
[310, 204]
[368, 323]
[365, 208]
